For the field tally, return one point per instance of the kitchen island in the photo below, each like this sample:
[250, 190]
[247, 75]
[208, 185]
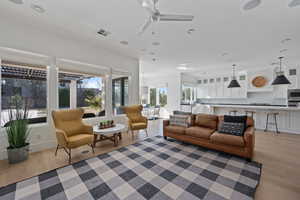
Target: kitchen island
[288, 118]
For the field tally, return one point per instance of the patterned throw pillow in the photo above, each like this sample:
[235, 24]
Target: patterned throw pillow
[232, 128]
[180, 120]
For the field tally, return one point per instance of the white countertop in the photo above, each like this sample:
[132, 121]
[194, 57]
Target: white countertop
[258, 107]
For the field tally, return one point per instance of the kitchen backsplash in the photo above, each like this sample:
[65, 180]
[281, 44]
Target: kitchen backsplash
[250, 100]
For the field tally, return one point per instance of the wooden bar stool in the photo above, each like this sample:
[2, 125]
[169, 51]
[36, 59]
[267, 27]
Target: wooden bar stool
[233, 112]
[250, 113]
[274, 114]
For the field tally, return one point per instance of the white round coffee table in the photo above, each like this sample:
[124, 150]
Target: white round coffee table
[113, 134]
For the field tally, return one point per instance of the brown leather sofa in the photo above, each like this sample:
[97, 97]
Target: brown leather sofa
[203, 132]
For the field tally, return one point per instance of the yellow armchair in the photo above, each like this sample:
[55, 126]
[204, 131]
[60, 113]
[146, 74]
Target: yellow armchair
[136, 121]
[71, 132]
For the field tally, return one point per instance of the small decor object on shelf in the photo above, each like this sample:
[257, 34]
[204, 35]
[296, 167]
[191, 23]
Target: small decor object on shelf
[259, 81]
[106, 124]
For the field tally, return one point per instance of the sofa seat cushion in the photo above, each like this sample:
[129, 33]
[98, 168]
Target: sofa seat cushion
[175, 129]
[138, 126]
[79, 140]
[233, 140]
[200, 132]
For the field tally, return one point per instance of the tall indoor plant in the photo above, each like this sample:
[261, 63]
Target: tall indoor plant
[17, 130]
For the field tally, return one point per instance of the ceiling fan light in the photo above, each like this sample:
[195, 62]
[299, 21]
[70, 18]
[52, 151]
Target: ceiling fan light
[251, 4]
[294, 3]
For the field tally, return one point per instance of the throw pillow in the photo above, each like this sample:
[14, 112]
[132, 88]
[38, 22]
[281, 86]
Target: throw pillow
[235, 125]
[180, 120]
[235, 119]
[231, 128]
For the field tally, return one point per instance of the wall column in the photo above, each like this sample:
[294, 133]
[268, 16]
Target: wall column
[73, 94]
[108, 95]
[52, 86]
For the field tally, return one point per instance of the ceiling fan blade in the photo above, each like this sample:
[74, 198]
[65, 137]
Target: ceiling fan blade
[178, 18]
[294, 3]
[145, 26]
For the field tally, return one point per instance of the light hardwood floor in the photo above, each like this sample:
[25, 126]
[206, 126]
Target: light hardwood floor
[279, 154]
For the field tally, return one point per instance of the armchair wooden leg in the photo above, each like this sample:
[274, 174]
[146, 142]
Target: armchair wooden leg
[92, 145]
[70, 156]
[56, 150]
[146, 132]
[132, 134]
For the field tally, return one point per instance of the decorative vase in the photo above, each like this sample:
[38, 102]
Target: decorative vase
[17, 155]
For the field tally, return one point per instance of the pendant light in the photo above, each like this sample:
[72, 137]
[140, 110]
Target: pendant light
[280, 78]
[233, 83]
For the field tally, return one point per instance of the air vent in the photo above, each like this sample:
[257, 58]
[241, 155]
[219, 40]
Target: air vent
[103, 32]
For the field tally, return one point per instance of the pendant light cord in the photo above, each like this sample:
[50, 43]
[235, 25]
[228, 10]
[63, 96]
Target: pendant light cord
[280, 61]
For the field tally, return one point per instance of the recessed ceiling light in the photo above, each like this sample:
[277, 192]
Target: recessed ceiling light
[153, 59]
[225, 54]
[190, 31]
[182, 68]
[155, 43]
[17, 1]
[294, 3]
[286, 40]
[251, 4]
[103, 32]
[283, 50]
[124, 42]
[37, 8]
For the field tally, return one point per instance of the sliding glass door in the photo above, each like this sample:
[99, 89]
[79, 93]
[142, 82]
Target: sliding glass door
[120, 94]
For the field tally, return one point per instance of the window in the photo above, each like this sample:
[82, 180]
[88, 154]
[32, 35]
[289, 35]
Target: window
[188, 94]
[120, 94]
[27, 83]
[78, 90]
[64, 91]
[163, 98]
[153, 96]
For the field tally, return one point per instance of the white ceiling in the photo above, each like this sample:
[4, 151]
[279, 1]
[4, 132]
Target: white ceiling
[251, 38]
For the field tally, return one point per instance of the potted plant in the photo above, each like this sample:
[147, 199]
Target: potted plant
[17, 130]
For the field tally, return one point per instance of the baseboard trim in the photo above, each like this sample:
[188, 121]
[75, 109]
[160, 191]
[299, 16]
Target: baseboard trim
[33, 148]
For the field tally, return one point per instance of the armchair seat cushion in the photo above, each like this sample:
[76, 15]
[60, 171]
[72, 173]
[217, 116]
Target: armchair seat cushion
[227, 139]
[138, 126]
[200, 132]
[79, 140]
[175, 129]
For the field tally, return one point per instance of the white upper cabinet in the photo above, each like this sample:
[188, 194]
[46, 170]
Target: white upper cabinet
[211, 88]
[217, 87]
[226, 90]
[292, 75]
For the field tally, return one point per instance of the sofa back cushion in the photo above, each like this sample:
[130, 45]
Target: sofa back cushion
[180, 120]
[249, 121]
[206, 120]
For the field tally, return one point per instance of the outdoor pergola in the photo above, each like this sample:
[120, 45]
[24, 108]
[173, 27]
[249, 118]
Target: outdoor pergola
[10, 71]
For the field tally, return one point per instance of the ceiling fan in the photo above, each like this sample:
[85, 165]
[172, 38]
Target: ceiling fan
[155, 16]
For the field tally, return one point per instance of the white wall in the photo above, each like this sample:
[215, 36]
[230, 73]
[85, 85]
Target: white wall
[28, 38]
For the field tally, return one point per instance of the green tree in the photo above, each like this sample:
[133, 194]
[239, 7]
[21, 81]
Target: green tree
[153, 96]
[94, 102]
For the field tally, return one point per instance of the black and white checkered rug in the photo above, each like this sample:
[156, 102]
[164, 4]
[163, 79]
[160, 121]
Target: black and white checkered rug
[151, 169]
